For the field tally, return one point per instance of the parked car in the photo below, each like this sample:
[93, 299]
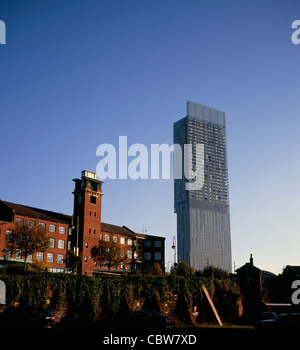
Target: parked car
[266, 315]
[26, 318]
[145, 320]
[282, 321]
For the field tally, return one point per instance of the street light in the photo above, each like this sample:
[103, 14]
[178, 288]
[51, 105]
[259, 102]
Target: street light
[174, 247]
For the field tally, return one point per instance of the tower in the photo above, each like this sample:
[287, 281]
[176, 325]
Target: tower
[87, 217]
[203, 218]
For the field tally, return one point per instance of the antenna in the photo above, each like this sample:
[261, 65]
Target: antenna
[144, 229]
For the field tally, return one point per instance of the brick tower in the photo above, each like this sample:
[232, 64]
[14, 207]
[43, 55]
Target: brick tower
[87, 217]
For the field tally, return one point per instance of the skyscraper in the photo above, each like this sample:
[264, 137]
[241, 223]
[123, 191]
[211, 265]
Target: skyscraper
[203, 218]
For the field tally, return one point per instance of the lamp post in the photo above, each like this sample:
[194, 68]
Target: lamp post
[175, 253]
[174, 247]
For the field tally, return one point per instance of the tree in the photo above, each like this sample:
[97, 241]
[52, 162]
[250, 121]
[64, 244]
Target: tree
[39, 266]
[155, 269]
[108, 253]
[184, 269]
[214, 272]
[27, 240]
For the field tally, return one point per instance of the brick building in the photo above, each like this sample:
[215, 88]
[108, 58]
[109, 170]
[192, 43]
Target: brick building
[58, 227]
[81, 232]
[151, 249]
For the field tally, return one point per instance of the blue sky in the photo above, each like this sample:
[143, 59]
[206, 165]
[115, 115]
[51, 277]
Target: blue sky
[76, 74]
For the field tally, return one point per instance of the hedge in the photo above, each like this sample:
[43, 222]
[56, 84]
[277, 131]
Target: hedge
[86, 296]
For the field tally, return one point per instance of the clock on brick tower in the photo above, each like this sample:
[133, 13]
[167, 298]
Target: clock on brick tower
[87, 217]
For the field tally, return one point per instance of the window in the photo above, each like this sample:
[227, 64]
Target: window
[50, 257]
[129, 242]
[147, 256]
[86, 245]
[42, 225]
[30, 223]
[60, 259]
[62, 230]
[61, 244]
[122, 253]
[40, 256]
[107, 238]
[93, 199]
[9, 235]
[70, 231]
[20, 222]
[122, 240]
[157, 256]
[18, 254]
[129, 254]
[52, 243]
[115, 239]
[52, 228]
[8, 254]
[157, 244]
[94, 187]
[147, 243]
[69, 245]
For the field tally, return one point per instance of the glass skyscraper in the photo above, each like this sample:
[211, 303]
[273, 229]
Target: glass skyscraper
[203, 218]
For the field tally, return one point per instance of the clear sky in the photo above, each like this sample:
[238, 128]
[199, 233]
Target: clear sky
[75, 74]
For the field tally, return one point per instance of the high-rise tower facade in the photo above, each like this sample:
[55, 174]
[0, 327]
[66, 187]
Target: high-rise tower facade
[203, 218]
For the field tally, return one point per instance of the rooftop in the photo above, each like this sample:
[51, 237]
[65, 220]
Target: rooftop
[25, 210]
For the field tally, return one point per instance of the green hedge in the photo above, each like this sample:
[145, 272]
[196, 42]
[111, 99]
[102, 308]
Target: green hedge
[86, 295]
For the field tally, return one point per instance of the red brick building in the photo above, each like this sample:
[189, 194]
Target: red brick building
[81, 232]
[58, 227]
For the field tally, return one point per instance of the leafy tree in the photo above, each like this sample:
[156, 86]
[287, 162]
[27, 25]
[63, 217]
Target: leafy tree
[155, 269]
[39, 266]
[213, 272]
[27, 240]
[184, 269]
[108, 253]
